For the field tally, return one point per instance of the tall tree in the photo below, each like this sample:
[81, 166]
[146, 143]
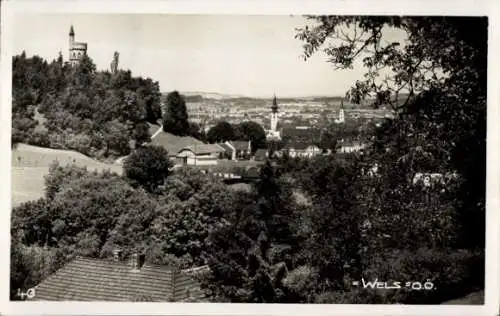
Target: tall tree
[221, 132]
[175, 119]
[148, 167]
[253, 132]
[114, 63]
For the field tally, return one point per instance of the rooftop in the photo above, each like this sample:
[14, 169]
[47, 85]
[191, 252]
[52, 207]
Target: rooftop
[240, 144]
[205, 149]
[89, 279]
[174, 144]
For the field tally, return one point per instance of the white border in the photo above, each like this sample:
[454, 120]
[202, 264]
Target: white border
[348, 7]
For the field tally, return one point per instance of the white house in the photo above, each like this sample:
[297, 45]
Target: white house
[428, 179]
[349, 147]
[202, 155]
[299, 149]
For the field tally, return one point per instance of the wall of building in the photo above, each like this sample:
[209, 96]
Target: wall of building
[202, 162]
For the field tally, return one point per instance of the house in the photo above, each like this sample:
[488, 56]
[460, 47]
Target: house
[346, 146]
[173, 144]
[261, 154]
[243, 148]
[313, 150]
[301, 149]
[229, 151]
[204, 154]
[431, 179]
[91, 279]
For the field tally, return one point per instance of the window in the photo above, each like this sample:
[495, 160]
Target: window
[74, 55]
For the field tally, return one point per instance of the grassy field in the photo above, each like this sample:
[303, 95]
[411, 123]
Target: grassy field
[31, 163]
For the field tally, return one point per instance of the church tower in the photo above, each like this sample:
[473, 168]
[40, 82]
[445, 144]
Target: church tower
[274, 115]
[273, 133]
[341, 118]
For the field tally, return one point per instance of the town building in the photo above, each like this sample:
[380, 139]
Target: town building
[341, 118]
[261, 154]
[120, 280]
[229, 151]
[350, 146]
[301, 149]
[206, 154]
[173, 144]
[242, 149]
[76, 49]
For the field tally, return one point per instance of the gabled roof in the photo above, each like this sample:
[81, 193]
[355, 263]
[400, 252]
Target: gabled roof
[226, 147]
[204, 149]
[296, 145]
[153, 129]
[240, 145]
[89, 279]
[261, 152]
[172, 143]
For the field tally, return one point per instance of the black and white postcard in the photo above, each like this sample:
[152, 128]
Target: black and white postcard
[278, 160]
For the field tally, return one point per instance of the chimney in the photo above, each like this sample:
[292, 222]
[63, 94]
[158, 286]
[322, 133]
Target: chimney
[117, 254]
[137, 261]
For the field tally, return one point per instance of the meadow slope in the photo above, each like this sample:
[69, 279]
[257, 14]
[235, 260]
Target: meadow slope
[31, 163]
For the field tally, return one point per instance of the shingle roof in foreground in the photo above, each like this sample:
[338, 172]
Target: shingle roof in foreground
[89, 279]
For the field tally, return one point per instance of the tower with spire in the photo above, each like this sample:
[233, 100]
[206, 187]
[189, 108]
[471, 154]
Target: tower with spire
[273, 133]
[341, 118]
[274, 114]
[76, 49]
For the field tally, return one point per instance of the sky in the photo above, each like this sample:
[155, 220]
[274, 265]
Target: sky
[241, 55]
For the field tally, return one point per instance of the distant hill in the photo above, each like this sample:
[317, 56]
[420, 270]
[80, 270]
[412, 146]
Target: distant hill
[209, 95]
[198, 96]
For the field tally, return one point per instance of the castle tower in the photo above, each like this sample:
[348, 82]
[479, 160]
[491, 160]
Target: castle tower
[71, 37]
[76, 50]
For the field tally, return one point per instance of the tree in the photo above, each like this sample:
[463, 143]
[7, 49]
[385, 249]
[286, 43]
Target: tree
[240, 253]
[114, 63]
[221, 132]
[141, 133]
[436, 83]
[453, 86]
[116, 139]
[175, 120]
[59, 176]
[253, 132]
[147, 166]
[196, 131]
[79, 100]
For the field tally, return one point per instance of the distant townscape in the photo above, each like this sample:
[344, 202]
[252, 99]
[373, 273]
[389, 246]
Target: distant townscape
[124, 192]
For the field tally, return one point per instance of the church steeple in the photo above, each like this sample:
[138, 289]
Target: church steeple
[274, 107]
[273, 134]
[71, 31]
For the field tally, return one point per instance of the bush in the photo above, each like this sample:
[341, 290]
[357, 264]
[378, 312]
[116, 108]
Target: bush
[39, 139]
[80, 142]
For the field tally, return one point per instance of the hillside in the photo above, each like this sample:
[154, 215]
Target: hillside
[31, 163]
